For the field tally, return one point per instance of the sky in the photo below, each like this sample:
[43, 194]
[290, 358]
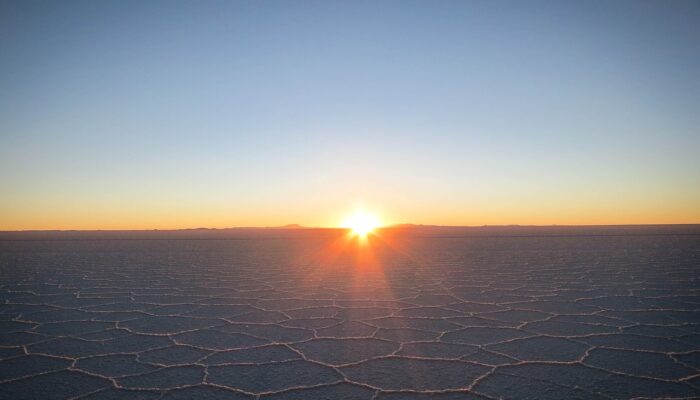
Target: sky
[142, 115]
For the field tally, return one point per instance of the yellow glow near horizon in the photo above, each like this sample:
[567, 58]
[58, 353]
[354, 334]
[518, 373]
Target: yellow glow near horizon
[129, 208]
[361, 223]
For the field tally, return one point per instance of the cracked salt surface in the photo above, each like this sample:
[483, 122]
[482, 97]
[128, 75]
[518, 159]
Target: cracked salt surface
[427, 316]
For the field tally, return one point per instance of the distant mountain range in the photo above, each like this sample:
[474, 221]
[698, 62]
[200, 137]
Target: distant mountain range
[296, 230]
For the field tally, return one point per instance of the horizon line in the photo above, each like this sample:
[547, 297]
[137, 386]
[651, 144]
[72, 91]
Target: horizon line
[391, 226]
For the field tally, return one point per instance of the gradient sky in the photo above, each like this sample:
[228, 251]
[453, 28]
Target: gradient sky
[118, 115]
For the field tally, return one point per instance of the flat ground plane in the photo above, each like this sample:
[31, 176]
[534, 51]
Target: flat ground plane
[411, 313]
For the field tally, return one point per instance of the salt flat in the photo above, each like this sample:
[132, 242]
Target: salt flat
[515, 313]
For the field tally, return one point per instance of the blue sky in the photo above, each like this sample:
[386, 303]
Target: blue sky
[176, 114]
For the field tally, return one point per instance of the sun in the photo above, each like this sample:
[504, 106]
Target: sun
[361, 223]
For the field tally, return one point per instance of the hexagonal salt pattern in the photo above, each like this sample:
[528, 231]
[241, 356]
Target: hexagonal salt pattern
[295, 317]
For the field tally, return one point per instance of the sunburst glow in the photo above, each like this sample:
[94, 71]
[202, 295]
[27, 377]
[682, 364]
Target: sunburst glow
[361, 223]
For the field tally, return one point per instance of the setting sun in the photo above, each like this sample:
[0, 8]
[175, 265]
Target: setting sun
[361, 223]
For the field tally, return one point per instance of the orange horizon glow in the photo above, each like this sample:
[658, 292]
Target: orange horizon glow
[157, 213]
[66, 222]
